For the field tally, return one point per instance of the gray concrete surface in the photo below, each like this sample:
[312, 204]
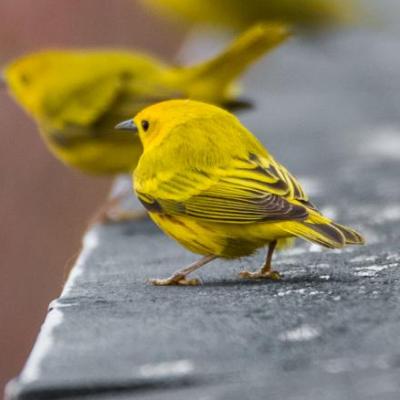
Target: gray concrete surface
[329, 109]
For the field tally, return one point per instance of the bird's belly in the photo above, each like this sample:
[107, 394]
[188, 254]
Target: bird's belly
[223, 240]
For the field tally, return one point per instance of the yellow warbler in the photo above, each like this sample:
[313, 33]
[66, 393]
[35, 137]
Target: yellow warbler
[241, 13]
[76, 97]
[212, 186]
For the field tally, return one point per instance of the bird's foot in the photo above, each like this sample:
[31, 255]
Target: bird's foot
[273, 275]
[176, 280]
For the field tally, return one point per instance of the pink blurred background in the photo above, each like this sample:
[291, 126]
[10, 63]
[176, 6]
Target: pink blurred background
[45, 207]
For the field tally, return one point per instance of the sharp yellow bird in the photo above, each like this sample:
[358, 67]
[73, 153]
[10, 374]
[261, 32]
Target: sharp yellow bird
[212, 186]
[76, 97]
[240, 14]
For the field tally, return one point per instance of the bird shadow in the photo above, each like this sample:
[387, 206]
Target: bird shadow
[285, 281]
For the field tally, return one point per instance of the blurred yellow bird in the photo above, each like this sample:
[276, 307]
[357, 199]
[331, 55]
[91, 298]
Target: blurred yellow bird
[76, 97]
[240, 14]
[212, 186]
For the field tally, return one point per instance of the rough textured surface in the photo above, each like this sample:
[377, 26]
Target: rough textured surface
[329, 109]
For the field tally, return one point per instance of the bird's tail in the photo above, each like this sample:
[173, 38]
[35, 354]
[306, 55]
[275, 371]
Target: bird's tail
[218, 73]
[351, 236]
[321, 230]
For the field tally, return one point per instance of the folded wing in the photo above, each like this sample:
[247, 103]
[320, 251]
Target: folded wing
[251, 189]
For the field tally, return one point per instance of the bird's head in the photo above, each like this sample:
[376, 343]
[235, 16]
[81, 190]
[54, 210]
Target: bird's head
[161, 121]
[28, 78]
[62, 86]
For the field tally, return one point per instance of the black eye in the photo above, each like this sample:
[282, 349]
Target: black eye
[24, 79]
[145, 125]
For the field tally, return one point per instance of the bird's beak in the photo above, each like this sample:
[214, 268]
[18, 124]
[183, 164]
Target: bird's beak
[127, 125]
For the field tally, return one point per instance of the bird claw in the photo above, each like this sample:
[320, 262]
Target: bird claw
[273, 275]
[175, 281]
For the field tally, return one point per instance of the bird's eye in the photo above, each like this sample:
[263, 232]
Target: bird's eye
[24, 79]
[145, 125]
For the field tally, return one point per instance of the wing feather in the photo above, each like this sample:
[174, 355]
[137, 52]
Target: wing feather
[252, 189]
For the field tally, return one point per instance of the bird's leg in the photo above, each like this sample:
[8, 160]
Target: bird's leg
[179, 277]
[266, 272]
[110, 211]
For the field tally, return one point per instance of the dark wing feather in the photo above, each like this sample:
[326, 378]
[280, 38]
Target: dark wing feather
[250, 190]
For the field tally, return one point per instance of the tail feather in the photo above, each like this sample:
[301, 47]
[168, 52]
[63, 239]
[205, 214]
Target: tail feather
[246, 49]
[321, 230]
[238, 104]
[324, 234]
[351, 236]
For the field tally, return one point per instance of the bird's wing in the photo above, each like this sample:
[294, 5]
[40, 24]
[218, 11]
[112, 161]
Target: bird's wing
[251, 189]
[82, 105]
[102, 98]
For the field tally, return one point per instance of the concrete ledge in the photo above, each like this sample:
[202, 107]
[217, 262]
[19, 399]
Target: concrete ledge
[329, 330]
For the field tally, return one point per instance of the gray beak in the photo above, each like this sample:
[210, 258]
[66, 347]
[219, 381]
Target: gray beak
[127, 125]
